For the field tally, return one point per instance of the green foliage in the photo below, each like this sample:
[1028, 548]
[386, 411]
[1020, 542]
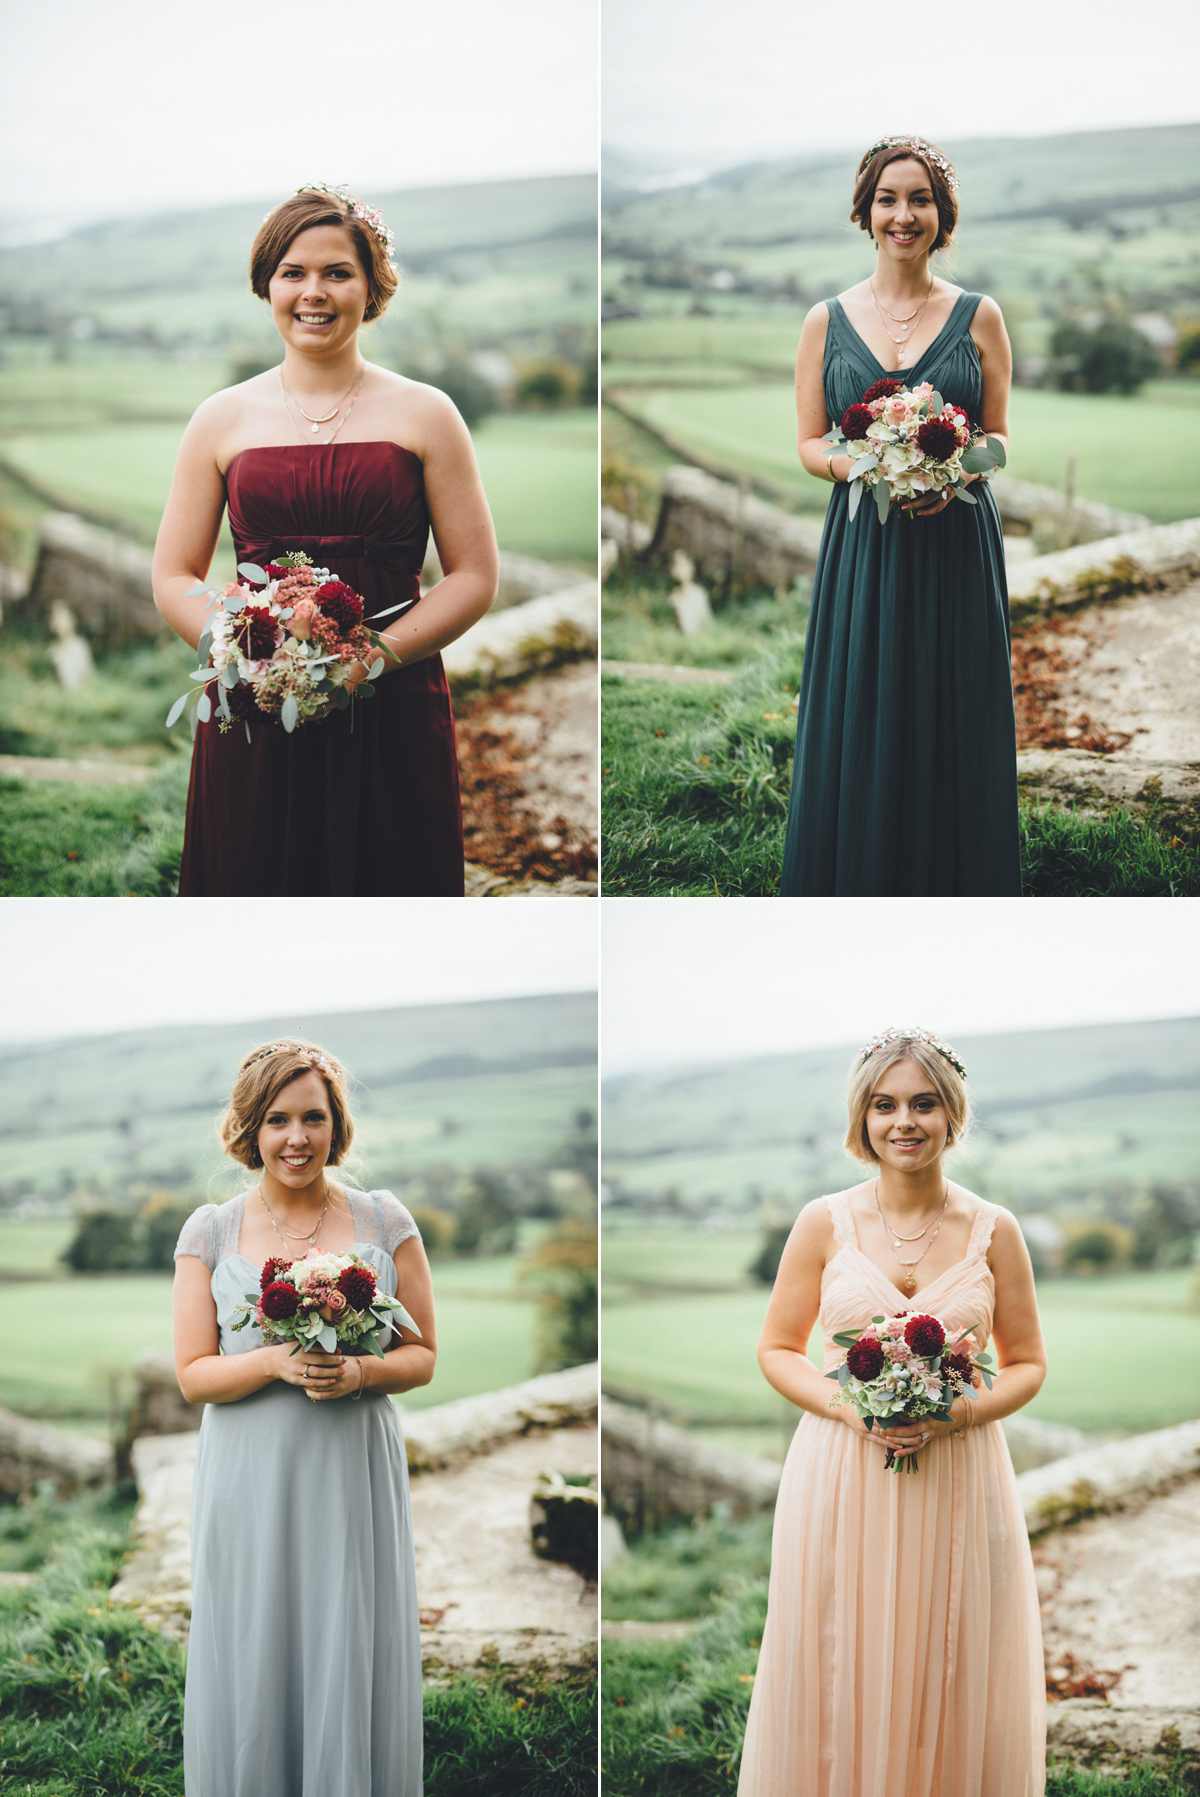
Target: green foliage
[765, 1264]
[121, 1241]
[1187, 352]
[680, 1573]
[63, 841]
[473, 396]
[120, 707]
[437, 1228]
[1109, 357]
[1166, 1227]
[1121, 855]
[1101, 1246]
[486, 1222]
[92, 1699]
[545, 385]
[563, 1271]
[639, 625]
[511, 1736]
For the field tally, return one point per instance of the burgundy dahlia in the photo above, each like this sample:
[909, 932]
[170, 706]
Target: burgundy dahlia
[341, 603]
[958, 1366]
[254, 632]
[280, 1301]
[938, 438]
[271, 1270]
[925, 1336]
[882, 390]
[865, 1360]
[242, 703]
[855, 420]
[273, 571]
[357, 1286]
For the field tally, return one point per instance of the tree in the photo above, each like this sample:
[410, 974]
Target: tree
[105, 1242]
[473, 396]
[563, 1272]
[1109, 357]
[765, 1264]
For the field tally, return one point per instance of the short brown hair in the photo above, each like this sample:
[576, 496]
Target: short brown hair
[867, 180]
[261, 1078]
[948, 1083]
[280, 229]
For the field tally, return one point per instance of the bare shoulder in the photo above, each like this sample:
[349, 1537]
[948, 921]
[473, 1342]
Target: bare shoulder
[988, 320]
[813, 333]
[423, 417]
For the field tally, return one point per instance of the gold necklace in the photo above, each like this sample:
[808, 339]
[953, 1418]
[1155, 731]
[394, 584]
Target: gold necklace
[909, 1282]
[906, 327]
[310, 1239]
[316, 425]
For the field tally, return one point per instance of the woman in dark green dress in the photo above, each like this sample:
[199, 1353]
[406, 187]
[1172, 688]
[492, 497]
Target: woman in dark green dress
[905, 776]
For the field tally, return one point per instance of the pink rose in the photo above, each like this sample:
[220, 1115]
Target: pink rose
[300, 622]
[924, 391]
[895, 410]
[333, 1306]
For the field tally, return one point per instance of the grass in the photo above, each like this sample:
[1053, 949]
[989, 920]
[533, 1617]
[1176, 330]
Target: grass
[120, 710]
[673, 1714]
[61, 840]
[62, 1372]
[681, 1573]
[89, 1687]
[1123, 1350]
[539, 474]
[695, 784]
[639, 624]
[1140, 453]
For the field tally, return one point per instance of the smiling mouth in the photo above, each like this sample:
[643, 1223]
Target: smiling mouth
[295, 1160]
[908, 1141]
[314, 318]
[904, 236]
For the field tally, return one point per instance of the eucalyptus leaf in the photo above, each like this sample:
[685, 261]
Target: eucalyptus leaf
[937, 405]
[234, 602]
[389, 610]
[856, 493]
[195, 592]
[229, 674]
[289, 713]
[341, 698]
[176, 710]
[204, 708]
[288, 611]
[212, 602]
[366, 689]
[869, 1421]
[249, 738]
[376, 668]
[192, 723]
[978, 459]
[883, 500]
[369, 1342]
[863, 465]
[252, 571]
[966, 497]
[205, 643]
[223, 706]
[200, 674]
[328, 1338]
[997, 449]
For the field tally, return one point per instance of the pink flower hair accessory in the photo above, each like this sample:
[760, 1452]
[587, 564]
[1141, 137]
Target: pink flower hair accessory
[927, 1036]
[920, 148]
[371, 216]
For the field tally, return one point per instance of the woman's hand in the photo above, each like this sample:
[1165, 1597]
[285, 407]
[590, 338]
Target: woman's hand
[910, 1437]
[321, 1375]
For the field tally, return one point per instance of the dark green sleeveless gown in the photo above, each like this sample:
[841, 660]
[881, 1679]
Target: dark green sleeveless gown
[905, 776]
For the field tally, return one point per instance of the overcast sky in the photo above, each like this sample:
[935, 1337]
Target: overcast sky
[122, 106]
[717, 81]
[721, 979]
[91, 966]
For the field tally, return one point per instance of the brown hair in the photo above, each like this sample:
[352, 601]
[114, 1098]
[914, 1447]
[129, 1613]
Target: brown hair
[261, 1078]
[280, 229]
[948, 1083]
[867, 179]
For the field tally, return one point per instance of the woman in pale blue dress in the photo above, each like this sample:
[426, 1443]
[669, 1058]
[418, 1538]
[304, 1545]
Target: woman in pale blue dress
[304, 1663]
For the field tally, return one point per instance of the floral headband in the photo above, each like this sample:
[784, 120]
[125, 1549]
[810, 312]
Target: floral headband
[920, 148]
[890, 1036]
[312, 1055]
[371, 216]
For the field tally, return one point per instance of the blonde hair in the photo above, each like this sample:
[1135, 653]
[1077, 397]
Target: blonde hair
[948, 1083]
[261, 1078]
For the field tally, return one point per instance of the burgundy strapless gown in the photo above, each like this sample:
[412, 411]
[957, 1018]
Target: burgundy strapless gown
[372, 811]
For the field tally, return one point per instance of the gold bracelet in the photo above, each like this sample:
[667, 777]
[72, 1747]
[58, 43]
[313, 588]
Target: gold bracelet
[362, 1379]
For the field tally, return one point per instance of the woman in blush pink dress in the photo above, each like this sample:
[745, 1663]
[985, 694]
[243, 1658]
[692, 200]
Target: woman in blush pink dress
[902, 1655]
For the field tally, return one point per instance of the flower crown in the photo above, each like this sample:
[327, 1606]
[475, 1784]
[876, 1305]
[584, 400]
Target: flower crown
[312, 1055]
[371, 216]
[927, 1036]
[920, 148]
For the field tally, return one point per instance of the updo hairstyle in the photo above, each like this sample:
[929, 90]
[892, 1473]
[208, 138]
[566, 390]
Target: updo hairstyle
[947, 1082]
[261, 1078]
[301, 212]
[870, 170]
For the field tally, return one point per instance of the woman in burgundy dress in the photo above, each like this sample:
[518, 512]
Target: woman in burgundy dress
[351, 464]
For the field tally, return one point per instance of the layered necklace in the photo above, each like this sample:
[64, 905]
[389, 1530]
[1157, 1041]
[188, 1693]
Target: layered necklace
[907, 324]
[909, 1281]
[317, 424]
[310, 1239]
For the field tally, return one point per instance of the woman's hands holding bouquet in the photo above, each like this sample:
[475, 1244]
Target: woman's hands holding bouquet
[910, 1437]
[319, 1374]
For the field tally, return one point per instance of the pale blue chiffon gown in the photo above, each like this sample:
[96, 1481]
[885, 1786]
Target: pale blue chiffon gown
[304, 1664]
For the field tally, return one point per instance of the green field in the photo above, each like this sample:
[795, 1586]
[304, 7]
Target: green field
[69, 1335]
[1124, 1351]
[539, 470]
[1140, 454]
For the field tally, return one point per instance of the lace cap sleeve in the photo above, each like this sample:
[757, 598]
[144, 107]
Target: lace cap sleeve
[844, 1233]
[981, 1229]
[395, 1222]
[199, 1236]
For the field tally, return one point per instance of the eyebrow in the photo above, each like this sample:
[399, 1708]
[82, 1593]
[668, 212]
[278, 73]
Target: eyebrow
[916, 1095]
[341, 262]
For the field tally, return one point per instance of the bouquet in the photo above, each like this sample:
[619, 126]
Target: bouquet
[280, 645]
[903, 1368]
[906, 441]
[323, 1301]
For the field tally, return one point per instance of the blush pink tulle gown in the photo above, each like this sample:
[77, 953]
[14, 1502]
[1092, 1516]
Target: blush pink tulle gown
[902, 1655]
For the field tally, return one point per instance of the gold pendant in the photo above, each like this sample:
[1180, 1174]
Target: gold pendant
[910, 1284]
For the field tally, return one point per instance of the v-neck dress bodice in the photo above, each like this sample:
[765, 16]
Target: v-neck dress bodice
[304, 1658]
[366, 802]
[904, 781]
[902, 1654]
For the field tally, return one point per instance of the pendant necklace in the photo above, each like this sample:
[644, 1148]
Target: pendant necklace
[310, 1239]
[316, 424]
[909, 1282]
[907, 325]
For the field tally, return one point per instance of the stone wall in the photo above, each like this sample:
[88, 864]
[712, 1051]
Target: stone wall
[31, 1453]
[1156, 558]
[735, 540]
[103, 578]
